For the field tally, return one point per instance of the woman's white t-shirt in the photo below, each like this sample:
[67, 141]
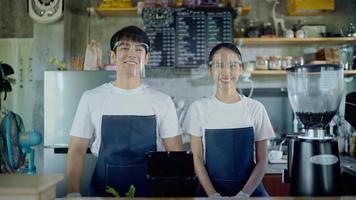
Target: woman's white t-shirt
[211, 113]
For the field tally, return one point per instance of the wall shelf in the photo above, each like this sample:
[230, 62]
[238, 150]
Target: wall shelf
[116, 11]
[283, 72]
[294, 41]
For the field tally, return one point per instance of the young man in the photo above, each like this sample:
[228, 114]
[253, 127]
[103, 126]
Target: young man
[126, 119]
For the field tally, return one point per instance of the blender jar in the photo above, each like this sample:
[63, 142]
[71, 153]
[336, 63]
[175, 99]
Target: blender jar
[315, 92]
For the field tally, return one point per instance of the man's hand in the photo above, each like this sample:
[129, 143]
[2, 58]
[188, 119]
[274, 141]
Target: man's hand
[75, 160]
[74, 194]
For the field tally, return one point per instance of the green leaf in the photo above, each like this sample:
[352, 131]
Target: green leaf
[112, 191]
[131, 192]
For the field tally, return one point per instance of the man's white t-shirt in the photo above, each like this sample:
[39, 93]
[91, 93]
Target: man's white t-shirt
[211, 113]
[110, 100]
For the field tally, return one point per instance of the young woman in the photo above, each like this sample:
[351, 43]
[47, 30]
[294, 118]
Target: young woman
[229, 132]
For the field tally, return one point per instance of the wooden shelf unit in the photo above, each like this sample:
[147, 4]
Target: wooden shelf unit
[116, 11]
[283, 72]
[294, 41]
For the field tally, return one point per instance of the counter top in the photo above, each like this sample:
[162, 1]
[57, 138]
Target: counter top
[348, 165]
[29, 187]
[257, 198]
[276, 168]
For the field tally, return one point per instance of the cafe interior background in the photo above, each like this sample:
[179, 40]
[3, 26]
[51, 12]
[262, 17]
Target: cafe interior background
[33, 46]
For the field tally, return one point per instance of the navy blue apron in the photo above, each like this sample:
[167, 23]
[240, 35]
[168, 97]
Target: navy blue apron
[121, 159]
[229, 159]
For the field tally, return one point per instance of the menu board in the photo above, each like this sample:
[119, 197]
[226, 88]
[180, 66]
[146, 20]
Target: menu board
[183, 38]
[162, 52]
[190, 38]
[220, 28]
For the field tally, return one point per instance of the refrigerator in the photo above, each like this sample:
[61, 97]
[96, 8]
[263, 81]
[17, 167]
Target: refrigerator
[62, 92]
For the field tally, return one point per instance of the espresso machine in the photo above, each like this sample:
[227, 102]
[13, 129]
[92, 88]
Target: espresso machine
[315, 93]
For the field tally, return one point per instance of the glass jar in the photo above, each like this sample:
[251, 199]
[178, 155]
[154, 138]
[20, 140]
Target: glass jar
[275, 62]
[250, 66]
[346, 54]
[298, 60]
[239, 32]
[267, 30]
[261, 63]
[252, 30]
[286, 62]
[300, 34]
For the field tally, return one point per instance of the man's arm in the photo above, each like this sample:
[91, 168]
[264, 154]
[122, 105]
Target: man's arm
[200, 170]
[260, 168]
[75, 160]
[173, 143]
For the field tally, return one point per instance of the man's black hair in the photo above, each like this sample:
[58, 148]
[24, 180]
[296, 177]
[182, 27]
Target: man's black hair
[229, 46]
[132, 33]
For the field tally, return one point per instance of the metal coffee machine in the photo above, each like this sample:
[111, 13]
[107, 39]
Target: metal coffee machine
[314, 92]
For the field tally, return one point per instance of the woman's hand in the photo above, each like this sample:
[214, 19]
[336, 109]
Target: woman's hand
[241, 195]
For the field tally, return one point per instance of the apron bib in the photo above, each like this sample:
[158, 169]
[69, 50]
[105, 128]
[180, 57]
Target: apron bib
[229, 159]
[122, 154]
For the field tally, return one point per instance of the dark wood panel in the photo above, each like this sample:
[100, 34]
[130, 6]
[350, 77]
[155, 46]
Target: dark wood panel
[274, 186]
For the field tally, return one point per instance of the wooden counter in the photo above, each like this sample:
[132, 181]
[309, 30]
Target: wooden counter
[25, 187]
[256, 198]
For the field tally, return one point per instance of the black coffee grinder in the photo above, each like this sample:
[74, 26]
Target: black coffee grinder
[314, 92]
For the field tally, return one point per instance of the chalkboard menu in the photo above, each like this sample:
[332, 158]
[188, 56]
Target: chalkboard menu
[183, 37]
[162, 53]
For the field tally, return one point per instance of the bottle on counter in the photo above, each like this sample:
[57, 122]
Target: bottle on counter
[353, 145]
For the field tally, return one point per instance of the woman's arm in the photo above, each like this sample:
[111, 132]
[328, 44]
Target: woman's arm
[173, 143]
[260, 168]
[200, 170]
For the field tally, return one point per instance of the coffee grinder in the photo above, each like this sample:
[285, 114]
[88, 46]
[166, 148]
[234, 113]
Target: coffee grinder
[314, 92]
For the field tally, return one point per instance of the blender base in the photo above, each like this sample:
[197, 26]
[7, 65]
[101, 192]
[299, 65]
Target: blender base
[315, 168]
